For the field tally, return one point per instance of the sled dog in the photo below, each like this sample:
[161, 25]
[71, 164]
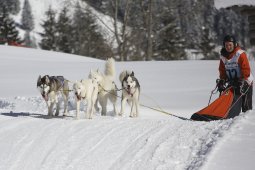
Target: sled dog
[50, 88]
[85, 90]
[130, 92]
[106, 86]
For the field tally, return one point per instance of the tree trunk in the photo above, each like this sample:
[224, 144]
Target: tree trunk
[149, 32]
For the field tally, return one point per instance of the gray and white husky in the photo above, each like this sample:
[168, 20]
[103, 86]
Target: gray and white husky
[50, 88]
[85, 90]
[130, 92]
[106, 86]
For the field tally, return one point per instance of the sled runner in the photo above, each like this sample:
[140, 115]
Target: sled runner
[228, 105]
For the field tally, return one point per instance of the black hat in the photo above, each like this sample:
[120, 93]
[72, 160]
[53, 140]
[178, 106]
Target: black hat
[229, 38]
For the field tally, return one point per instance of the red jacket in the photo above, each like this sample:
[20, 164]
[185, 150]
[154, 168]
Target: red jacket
[243, 64]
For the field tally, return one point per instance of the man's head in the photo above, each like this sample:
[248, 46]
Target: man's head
[229, 42]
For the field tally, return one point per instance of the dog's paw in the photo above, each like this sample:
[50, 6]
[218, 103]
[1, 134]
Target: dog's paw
[50, 115]
[131, 116]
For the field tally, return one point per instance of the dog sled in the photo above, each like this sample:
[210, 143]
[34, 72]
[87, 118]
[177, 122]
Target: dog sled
[228, 105]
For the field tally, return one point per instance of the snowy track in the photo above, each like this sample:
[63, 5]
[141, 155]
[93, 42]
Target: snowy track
[36, 141]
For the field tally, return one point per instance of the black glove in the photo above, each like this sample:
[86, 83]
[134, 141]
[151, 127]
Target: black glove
[235, 83]
[224, 52]
[244, 87]
[221, 85]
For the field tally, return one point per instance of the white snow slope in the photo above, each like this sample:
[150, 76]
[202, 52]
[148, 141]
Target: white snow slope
[31, 140]
[227, 3]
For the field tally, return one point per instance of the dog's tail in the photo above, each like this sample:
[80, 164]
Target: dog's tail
[110, 67]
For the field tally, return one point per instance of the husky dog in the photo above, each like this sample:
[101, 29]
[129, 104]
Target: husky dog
[50, 87]
[106, 86]
[130, 92]
[85, 90]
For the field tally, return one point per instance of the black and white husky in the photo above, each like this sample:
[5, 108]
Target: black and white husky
[50, 88]
[130, 92]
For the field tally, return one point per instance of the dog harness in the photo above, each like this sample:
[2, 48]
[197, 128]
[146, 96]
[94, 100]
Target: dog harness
[60, 79]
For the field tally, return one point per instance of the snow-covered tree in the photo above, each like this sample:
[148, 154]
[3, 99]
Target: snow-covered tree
[49, 36]
[29, 41]
[86, 39]
[27, 20]
[169, 43]
[11, 6]
[8, 32]
[229, 22]
[207, 45]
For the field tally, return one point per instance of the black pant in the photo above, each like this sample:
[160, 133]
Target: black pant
[247, 100]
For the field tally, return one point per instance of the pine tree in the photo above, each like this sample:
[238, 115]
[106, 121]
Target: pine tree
[169, 44]
[29, 41]
[64, 30]
[86, 39]
[11, 6]
[50, 32]
[8, 31]
[27, 20]
[78, 29]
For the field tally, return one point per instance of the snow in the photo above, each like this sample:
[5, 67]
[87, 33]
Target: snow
[242, 139]
[228, 3]
[31, 140]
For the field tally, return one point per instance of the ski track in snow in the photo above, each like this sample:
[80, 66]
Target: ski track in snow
[56, 142]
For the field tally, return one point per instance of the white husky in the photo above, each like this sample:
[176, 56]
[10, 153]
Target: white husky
[85, 90]
[130, 92]
[106, 86]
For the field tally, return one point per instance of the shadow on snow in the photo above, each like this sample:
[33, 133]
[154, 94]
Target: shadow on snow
[33, 115]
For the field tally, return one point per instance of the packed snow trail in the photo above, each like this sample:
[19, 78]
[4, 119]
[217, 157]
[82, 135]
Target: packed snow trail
[36, 141]
[236, 146]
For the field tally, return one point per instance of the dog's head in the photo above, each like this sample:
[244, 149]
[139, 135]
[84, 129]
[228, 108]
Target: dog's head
[77, 89]
[129, 81]
[96, 76]
[43, 85]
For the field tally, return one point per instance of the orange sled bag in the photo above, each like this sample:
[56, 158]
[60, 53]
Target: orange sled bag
[228, 105]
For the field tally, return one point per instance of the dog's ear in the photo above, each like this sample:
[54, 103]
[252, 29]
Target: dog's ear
[39, 81]
[132, 74]
[47, 79]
